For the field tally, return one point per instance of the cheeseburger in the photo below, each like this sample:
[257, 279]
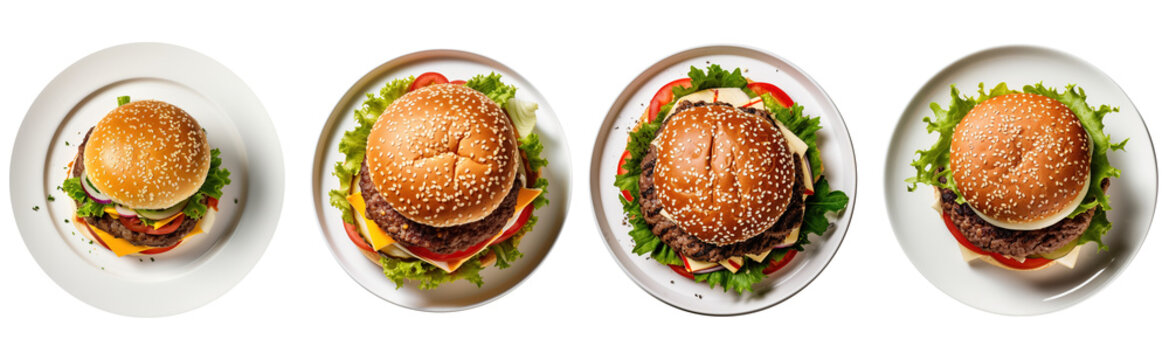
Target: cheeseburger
[446, 179]
[1019, 178]
[718, 185]
[144, 179]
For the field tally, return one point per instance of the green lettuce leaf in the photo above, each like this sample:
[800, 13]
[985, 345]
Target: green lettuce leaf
[533, 151]
[428, 276]
[493, 87]
[713, 77]
[1092, 119]
[353, 142]
[818, 205]
[938, 157]
[217, 178]
[88, 207]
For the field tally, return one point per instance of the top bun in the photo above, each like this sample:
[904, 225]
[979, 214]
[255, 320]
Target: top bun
[724, 175]
[443, 155]
[147, 154]
[1021, 159]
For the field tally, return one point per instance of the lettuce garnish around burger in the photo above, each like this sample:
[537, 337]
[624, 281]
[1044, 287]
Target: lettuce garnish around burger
[353, 146]
[933, 163]
[817, 205]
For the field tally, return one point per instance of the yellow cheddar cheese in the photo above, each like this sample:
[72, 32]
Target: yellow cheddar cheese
[379, 239]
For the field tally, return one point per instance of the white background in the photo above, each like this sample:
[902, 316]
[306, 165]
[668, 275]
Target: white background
[871, 57]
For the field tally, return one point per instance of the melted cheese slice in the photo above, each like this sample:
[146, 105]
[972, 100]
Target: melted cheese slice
[380, 241]
[377, 238]
[122, 247]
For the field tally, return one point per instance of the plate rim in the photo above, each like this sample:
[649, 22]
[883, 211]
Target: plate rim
[245, 256]
[337, 114]
[608, 239]
[964, 60]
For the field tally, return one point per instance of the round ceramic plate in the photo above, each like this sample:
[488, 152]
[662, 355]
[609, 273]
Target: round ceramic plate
[935, 253]
[461, 294]
[659, 280]
[206, 265]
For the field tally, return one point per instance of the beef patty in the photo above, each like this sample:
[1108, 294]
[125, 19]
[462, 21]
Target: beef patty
[1013, 242]
[114, 227]
[692, 247]
[441, 240]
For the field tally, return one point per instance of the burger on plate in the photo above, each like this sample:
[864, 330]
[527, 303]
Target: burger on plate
[722, 179]
[1020, 178]
[144, 179]
[440, 178]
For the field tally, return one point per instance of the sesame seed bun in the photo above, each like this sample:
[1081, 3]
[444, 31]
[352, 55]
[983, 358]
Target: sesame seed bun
[1022, 161]
[443, 155]
[723, 174]
[147, 154]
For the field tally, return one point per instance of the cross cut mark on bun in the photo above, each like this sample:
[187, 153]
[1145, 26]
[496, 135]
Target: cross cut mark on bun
[723, 174]
[443, 155]
[147, 154]
[1022, 161]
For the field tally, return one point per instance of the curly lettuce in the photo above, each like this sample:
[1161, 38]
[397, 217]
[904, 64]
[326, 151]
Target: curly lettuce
[817, 205]
[934, 162]
[353, 144]
[217, 178]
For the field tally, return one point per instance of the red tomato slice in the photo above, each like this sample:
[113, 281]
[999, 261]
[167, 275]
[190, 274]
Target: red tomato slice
[1026, 264]
[427, 79]
[355, 237]
[212, 203]
[682, 271]
[761, 88]
[664, 95]
[459, 82]
[775, 265]
[621, 171]
[156, 251]
[136, 225]
[525, 214]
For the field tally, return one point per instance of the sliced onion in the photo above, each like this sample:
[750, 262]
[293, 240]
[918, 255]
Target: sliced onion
[164, 213]
[707, 271]
[125, 211]
[93, 193]
[782, 246]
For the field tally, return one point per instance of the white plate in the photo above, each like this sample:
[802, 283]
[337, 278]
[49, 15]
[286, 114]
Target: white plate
[207, 265]
[935, 253]
[461, 294]
[659, 280]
